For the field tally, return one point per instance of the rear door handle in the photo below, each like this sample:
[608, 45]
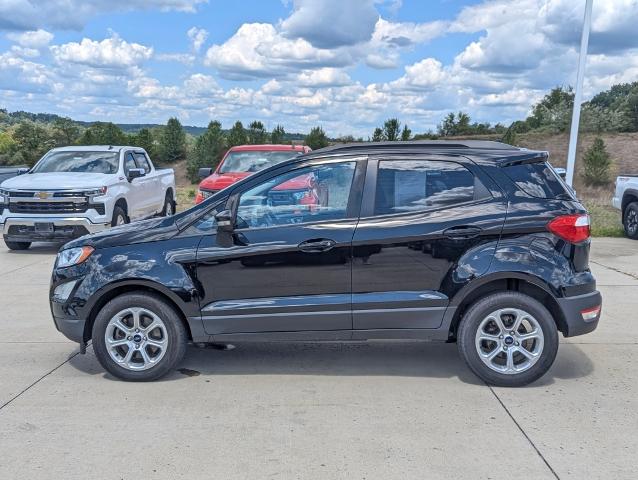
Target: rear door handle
[316, 246]
[462, 232]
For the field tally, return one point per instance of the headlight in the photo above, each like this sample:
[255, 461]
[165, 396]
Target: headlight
[97, 192]
[206, 193]
[73, 256]
[4, 196]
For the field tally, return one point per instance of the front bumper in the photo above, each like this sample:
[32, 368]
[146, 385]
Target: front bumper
[22, 229]
[572, 308]
[616, 202]
[72, 328]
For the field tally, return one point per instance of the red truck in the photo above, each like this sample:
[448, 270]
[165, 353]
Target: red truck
[244, 160]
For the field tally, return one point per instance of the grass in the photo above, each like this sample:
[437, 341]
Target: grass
[605, 219]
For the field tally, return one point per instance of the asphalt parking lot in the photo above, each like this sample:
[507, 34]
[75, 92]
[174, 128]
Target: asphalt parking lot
[354, 411]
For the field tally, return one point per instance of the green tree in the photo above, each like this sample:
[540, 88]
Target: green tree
[144, 139]
[31, 142]
[7, 148]
[208, 151]
[406, 133]
[237, 135]
[102, 133]
[66, 131]
[257, 134]
[378, 135]
[448, 126]
[597, 164]
[510, 136]
[391, 129]
[277, 135]
[172, 144]
[317, 138]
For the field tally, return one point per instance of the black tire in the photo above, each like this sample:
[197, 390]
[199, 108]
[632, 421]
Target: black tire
[17, 245]
[478, 311]
[176, 334]
[630, 220]
[118, 212]
[169, 204]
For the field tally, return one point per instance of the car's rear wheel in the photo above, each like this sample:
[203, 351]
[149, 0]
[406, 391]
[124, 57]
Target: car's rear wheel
[169, 206]
[630, 220]
[139, 337]
[508, 339]
[17, 245]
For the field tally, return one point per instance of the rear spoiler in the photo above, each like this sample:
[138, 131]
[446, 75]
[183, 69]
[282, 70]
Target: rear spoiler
[532, 157]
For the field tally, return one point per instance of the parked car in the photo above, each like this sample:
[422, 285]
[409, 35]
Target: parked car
[10, 172]
[477, 243]
[242, 161]
[74, 191]
[625, 199]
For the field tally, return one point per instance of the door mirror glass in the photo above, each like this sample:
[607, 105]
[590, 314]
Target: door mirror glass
[204, 172]
[224, 221]
[134, 173]
[22, 171]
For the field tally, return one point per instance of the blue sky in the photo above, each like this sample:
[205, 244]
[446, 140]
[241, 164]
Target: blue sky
[342, 64]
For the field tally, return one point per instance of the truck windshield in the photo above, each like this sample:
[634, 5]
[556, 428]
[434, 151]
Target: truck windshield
[254, 161]
[79, 162]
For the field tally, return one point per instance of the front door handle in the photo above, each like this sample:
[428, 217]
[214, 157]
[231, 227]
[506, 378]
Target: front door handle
[316, 246]
[462, 232]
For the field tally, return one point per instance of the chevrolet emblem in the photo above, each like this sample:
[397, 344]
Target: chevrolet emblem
[43, 195]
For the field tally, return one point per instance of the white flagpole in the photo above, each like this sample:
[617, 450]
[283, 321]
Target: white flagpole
[578, 94]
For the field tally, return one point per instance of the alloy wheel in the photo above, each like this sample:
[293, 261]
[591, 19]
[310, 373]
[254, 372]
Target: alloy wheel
[509, 341]
[136, 338]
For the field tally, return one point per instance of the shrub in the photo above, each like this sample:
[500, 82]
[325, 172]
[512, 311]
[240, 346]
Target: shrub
[597, 164]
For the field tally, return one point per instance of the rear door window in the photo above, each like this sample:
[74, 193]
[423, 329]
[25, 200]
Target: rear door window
[538, 180]
[414, 185]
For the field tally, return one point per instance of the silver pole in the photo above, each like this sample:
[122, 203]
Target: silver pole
[578, 94]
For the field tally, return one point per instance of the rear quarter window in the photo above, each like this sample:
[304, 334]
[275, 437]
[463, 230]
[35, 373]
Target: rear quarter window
[537, 180]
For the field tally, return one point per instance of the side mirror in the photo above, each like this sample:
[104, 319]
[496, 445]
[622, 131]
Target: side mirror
[134, 173]
[204, 172]
[562, 173]
[22, 171]
[224, 220]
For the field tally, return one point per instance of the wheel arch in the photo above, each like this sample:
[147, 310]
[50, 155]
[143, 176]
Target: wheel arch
[628, 196]
[114, 290]
[530, 285]
[122, 203]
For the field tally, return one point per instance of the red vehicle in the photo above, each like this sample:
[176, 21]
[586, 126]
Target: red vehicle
[244, 160]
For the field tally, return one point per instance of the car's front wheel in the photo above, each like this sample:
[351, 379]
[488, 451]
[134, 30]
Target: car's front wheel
[139, 337]
[508, 339]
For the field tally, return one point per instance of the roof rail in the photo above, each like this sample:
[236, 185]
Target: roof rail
[434, 144]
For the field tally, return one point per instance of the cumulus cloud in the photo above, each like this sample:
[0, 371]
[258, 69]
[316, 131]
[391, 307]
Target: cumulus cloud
[197, 37]
[111, 52]
[324, 77]
[35, 39]
[73, 14]
[331, 23]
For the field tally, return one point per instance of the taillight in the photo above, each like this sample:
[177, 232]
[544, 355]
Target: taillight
[571, 228]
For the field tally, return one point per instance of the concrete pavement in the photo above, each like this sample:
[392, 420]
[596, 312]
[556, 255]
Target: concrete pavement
[362, 410]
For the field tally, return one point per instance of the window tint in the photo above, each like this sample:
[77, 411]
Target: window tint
[142, 162]
[538, 180]
[79, 162]
[206, 224]
[129, 162]
[413, 185]
[309, 194]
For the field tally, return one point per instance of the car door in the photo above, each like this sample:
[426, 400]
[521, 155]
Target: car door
[154, 196]
[288, 267]
[421, 218]
[136, 196]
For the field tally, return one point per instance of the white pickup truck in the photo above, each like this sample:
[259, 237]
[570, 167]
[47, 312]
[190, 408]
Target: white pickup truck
[74, 191]
[625, 199]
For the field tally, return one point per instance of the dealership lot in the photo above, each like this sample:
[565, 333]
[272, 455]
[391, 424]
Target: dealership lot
[359, 410]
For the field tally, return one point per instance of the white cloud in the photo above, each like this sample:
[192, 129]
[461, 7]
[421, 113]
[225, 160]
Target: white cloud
[428, 73]
[185, 58]
[73, 14]
[111, 52]
[197, 37]
[331, 23]
[324, 77]
[35, 39]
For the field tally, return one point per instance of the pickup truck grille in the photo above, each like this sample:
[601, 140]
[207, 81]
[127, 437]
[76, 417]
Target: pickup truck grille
[47, 207]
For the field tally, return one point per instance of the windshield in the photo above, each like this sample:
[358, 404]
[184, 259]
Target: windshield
[254, 161]
[79, 162]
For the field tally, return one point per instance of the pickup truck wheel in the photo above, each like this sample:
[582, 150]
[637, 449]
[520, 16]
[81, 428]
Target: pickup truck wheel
[169, 206]
[138, 337]
[17, 245]
[508, 339]
[630, 220]
[119, 217]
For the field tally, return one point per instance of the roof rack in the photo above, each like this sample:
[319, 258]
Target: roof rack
[434, 144]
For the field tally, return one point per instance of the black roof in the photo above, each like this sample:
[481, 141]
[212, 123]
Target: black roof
[479, 150]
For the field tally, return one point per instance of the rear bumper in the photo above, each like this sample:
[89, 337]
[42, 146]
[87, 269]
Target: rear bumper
[572, 308]
[22, 229]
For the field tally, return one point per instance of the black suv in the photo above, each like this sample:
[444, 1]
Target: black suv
[478, 243]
